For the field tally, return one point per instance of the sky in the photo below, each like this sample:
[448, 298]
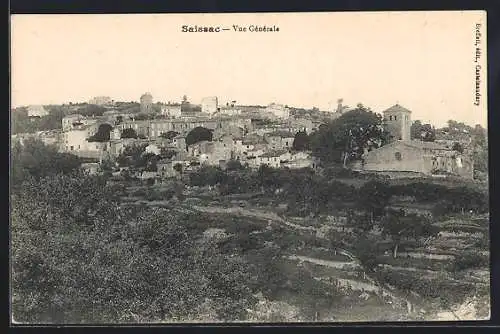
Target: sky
[422, 60]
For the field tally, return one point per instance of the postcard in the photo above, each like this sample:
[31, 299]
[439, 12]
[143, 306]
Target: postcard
[262, 167]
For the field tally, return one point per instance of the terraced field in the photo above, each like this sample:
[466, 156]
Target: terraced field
[324, 284]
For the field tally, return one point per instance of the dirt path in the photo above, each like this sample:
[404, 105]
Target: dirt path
[326, 263]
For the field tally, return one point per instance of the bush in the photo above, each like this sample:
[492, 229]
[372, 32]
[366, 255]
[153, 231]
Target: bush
[79, 257]
[139, 193]
[470, 260]
[153, 195]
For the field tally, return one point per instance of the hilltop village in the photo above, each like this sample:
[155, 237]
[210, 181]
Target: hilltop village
[226, 212]
[181, 137]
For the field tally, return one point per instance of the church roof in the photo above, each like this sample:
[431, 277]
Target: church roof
[425, 145]
[397, 109]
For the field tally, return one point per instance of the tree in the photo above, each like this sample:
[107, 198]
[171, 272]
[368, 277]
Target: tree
[207, 175]
[167, 153]
[233, 165]
[424, 132]
[128, 133]
[457, 147]
[393, 225]
[178, 168]
[301, 141]
[399, 225]
[21, 123]
[91, 110]
[169, 134]
[132, 156]
[79, 257]
[149, 162]
[479, 136]
[35, 159]
[373, 197]
[346, 137]
[103, 133]
[366, 251]
[198, 134]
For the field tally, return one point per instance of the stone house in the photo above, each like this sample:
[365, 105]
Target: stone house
[280, 140]
[37, 111]
[273, 159]
[141, 127]
[90, 167]
[180, 143]
[149, 175]
[166, 169]
[153, 149]
[172, 110]
[300, 124]
[417, 157]
[210, 153]
[301, 160]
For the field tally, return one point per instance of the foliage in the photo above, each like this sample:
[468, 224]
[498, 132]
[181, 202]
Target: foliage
[480, 160]
[35, 159]
[21, 123]
[374, 196]
[301, 141]
[133, 155]
[198, 134]
[169, 134]
[128, 133]
[178, 167]
[207, 175]
[167, 153]
[149, 162]
[102, 135]
[446, 199]
[457, 147]
[361, 222]
[143, 116]
[91, 110]
[439, 288]
[470, 260]
[399, 225]
[233, 164]
[78, 257]
[366, 251]
[346, 137]
[424, 132]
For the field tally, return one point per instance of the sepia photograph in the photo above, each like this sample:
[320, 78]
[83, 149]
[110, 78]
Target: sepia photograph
[249, 168]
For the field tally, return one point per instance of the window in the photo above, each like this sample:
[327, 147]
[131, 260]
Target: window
[78, 146]
[286, 143]
[390, 118]
[71, 148]
[395, 118]
[397, 155]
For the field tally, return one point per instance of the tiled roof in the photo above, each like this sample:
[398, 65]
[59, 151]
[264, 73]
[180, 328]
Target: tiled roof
[425, 145]
[397, 108]
[276, 153]
[282, 134]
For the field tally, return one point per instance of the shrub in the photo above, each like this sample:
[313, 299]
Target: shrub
[470, 260]
[153, 195]
[139, 193]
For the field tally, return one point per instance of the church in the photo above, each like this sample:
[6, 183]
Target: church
[405, 157]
